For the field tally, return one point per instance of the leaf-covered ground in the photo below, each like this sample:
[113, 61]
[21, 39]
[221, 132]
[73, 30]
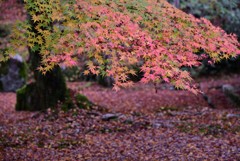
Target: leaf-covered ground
[132, 124]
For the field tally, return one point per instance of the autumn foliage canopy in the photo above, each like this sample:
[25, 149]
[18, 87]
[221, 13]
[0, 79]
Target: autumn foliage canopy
[113, 37]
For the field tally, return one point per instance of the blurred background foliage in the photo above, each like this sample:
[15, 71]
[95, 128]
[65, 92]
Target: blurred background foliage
[222, 13]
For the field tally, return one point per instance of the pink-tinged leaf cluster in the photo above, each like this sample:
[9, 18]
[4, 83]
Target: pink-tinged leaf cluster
[111, 37]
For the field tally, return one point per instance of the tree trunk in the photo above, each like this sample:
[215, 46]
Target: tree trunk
[46, 90]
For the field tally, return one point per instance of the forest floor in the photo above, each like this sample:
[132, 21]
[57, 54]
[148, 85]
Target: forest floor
[132, 124]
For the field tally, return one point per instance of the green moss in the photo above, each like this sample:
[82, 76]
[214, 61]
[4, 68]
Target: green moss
[3, 68]
[46, 92]
[23, 70]
[82, 101]
[186, 127]
[212, 129]
[67, 143]
[22, 90]
[68, 103]
[75, 100]
[22, 98]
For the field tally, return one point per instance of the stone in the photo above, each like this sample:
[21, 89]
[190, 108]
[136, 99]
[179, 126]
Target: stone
[230, 115]
[231, 94]
[109, 116]
[163, 124]
[13, 74]
[157, 125]
[227, 88]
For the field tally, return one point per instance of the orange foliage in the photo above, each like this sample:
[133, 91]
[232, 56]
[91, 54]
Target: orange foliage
[114, 36]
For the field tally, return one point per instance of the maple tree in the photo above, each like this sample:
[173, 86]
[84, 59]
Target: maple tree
[111, 37]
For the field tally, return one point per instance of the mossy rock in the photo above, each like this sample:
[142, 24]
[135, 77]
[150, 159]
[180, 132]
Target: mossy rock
[83, 102]
[73, 100]
[13, 74]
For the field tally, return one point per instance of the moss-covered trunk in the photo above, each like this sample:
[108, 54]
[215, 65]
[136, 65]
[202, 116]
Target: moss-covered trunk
[45, 91]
